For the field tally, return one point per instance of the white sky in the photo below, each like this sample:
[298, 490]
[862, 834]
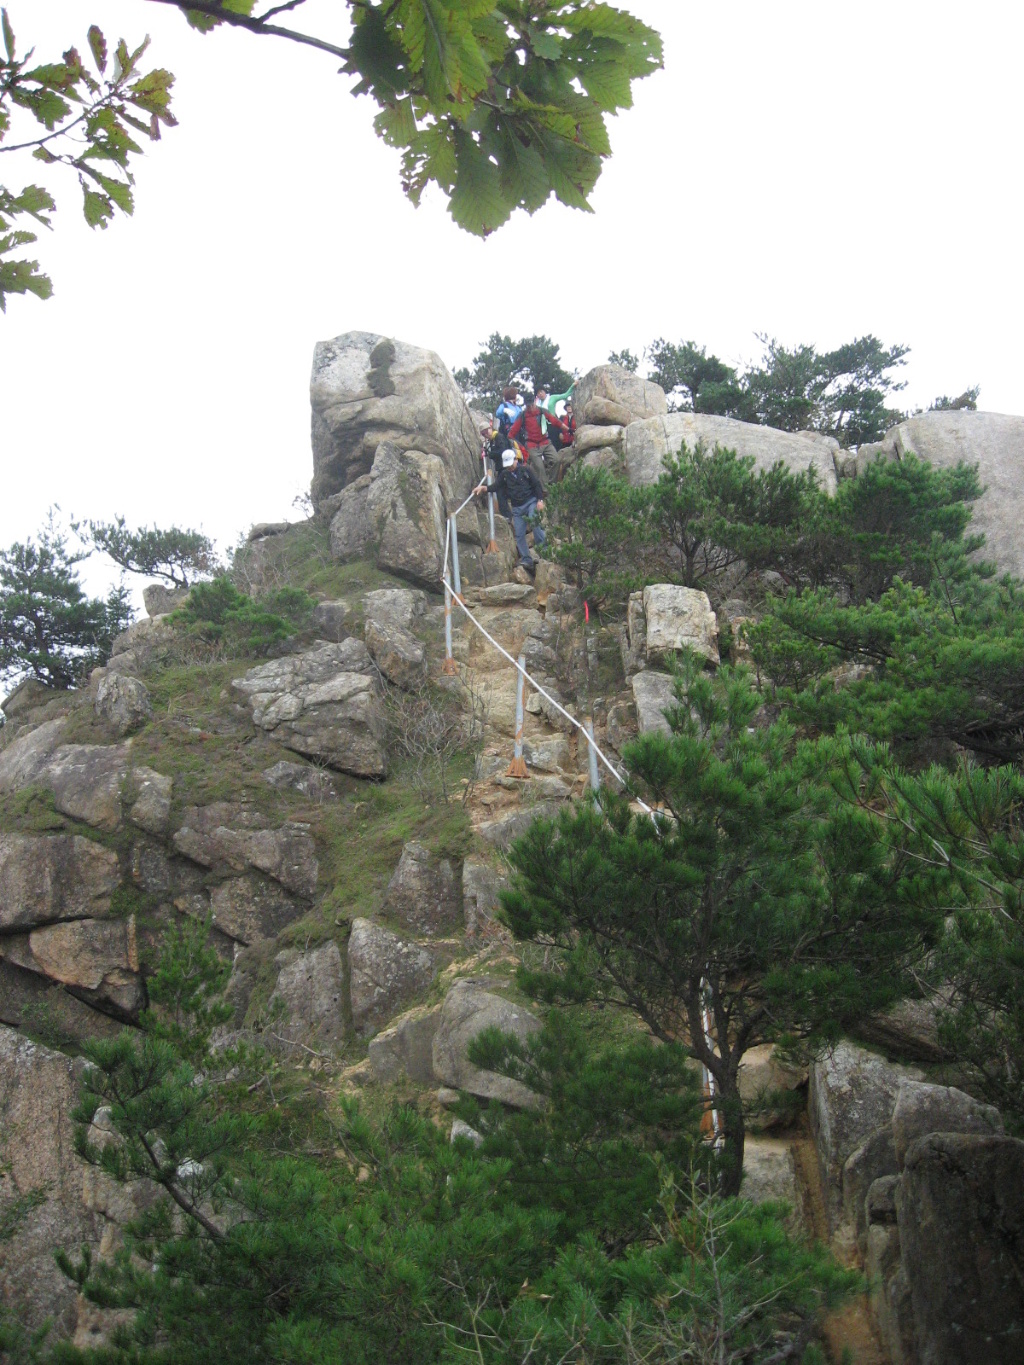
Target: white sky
[812, 170]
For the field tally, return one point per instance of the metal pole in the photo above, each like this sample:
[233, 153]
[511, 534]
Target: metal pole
[456, 580]
[595, 776]
[517, 768]
[492, 544]
[449, 663]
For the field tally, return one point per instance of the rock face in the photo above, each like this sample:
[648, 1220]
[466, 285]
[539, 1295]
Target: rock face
[38, 1090]
[654, 694]
[960, 1210]
[398, 654]
[48, 879]
[921, 1109]
[468, 1009]
[852, 1095]
[990, 440]
[98, 960]
[251, 909]
[646, 443]
[309, 991]
[397, 607]
[366, 389]
[424, 894]
[407, 1048]
[679, 618]
[321, 703]
[385, 973]
[227, 837]
[610, 395]
[161, 598]
[124, 702]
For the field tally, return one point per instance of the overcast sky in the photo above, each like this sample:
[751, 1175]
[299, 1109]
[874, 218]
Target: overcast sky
[815, 171]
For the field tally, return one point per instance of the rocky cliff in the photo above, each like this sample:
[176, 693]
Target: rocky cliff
[285, 801]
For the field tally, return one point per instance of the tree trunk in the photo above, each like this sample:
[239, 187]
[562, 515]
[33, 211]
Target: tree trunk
[733, 1127]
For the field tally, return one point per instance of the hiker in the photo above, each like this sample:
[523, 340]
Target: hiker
[525, 493]
[529, 427]
[490, 456]
[507, 410]
[569, 420]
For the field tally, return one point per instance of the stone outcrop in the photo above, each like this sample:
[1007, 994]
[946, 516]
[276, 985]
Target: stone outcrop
[610, 395]
[251, 909]
[468, 1009]
[313, 783]
[232, 838]
[97, 960]
[400, 657]
[53, 878]
[481, 885]
[321, 703]
[309, 997]
[992, 441]
[160, 599]
[852, 1095]
[406, 1048]
[38, 1090]
[398, 607]
[960, 1216]
[25, 756]
[654, 694]
[679, 618]
[385, 973]
[646, 443]
[124, 702]
[366, 389]
[424, 895]
[921, 1109]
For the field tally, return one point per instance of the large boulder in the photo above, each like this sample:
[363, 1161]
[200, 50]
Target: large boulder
[407, 507]
[228, 837]
[322, 703]
[992, 441]
[366, 389]
[25, 756]
[401, 607]
[385, 973]
[654, 694]
[309, 997]
[679, 618]
[960, 1210]
[160, 599]
[400, 657]
[423, 894]
[468, 1009]
[251, 909]
[97, 960]
[48, 879]
[406, 1048]
[852, 1094]
[482, 884]
[86, 781]
[646, 443]
[921, 1109]
[611, 395]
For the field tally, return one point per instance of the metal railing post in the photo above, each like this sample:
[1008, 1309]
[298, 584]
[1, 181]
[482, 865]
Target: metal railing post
[492, 544]
[449, 662]
[595, 776]
[456, 579]
[517, 768]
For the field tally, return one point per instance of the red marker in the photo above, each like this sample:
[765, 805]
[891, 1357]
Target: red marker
[586, 612]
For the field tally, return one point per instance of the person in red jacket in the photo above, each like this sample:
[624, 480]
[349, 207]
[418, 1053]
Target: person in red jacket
[529, 429]
[569, 421]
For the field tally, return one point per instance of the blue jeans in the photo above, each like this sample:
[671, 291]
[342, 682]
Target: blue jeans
[522, 517]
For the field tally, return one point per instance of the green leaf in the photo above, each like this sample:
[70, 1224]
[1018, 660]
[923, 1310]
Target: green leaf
[116, 190]
[546, 45]
[477, 203]
[97, 208]
[8, 35]
[609, 84]
[98, 45]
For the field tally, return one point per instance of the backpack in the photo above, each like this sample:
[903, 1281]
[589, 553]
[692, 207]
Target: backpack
[507, 414]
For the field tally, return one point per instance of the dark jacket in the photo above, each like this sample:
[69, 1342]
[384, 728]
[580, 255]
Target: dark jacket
[520, 483]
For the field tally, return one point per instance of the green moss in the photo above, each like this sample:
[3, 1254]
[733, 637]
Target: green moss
[30, 811]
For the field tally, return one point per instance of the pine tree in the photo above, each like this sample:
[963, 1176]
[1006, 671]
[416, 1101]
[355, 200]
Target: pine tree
[752, 907]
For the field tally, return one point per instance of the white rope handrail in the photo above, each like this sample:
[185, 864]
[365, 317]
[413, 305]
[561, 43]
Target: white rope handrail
[536, 685]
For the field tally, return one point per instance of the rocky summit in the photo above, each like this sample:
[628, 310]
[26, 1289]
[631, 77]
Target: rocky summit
[284, 800]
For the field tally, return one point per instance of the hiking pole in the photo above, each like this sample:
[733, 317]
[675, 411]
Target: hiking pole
[456, 579]
[595, 776]
[517, 768]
